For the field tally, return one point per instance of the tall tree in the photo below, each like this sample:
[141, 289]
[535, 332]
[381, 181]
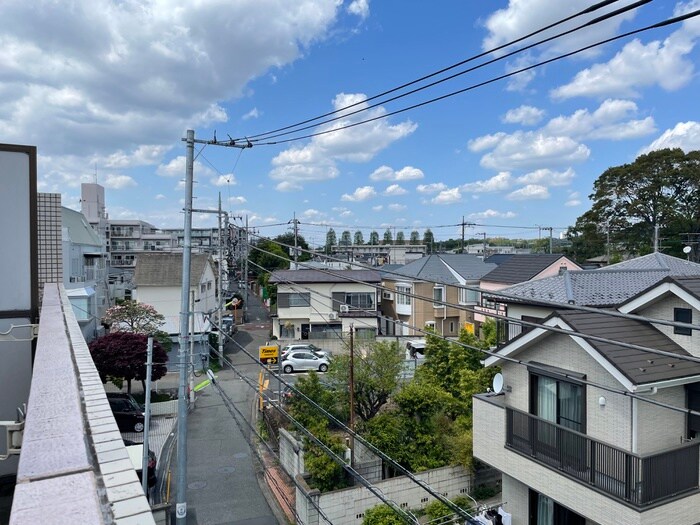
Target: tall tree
[660, 188]
[359, 239]
[345, 238]
[388, 238]
[400, 238]
[428, 240]
[415, 238]
[122, 356]
[131, 316]
[331, 240]
[267, 256]
[373, 238]
[288, 240]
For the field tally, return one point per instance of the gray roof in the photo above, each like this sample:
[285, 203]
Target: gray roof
[639, 366]
[436, 268]
[658, 261]
[601, 288]
[330, 276]
[165, 269]
[690, 284]
[520, 268]
[498, 258]
[79, 228]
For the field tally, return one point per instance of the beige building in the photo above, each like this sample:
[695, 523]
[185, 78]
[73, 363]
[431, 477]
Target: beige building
[585, 431]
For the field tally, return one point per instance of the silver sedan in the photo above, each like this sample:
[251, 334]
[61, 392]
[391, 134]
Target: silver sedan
[304, 361]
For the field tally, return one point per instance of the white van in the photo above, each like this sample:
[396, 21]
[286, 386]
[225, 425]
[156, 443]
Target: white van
[415, 349]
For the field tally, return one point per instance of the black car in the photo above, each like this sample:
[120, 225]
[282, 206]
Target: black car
[127, 412]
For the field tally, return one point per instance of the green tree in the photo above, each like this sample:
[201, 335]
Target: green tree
[382, 515]
[388, 238]
[331, 240]
[428, 240]
[121, 356]
[345, 238]
[374, 238]
[376, 373]
[400, 238]
[415, 238]
[131, 316]
[660, 188]
[267, 256]
[288, 240]
[359, 239]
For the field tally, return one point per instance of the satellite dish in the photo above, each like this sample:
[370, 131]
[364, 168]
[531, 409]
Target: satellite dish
[687, 249]
[498, 383]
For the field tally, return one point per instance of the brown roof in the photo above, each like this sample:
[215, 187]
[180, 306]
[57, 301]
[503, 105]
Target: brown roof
[165, 269]
[639, 366]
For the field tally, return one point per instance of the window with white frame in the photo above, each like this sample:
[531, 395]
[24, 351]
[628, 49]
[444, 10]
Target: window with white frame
[439, 296]
[299, 299]
[360, 300]
[402, 295]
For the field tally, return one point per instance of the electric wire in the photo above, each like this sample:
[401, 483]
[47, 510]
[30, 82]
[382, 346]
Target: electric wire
[469, 70]
[657, 25]
[588, 10]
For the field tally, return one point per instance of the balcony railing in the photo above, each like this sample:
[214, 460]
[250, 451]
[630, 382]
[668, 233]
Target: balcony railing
[639, 480]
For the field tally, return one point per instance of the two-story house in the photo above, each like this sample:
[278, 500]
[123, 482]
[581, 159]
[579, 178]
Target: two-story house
[598, 424]
[422, 293]
[322, 304]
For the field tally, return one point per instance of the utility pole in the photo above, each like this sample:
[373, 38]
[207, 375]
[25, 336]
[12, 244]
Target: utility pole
[656, 238]
[607, 243]
[181, 468]
[220, 289]
[147, 416]
[296, 233]
[245, 278]
[191, 367]
[468, 224]
[352, 396]
[462, 250]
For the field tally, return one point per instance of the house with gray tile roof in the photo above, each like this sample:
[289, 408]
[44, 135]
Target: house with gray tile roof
[425, 292]
[323, 304]
[600, 421]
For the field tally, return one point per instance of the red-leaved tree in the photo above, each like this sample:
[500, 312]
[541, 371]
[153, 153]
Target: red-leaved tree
[122, 356]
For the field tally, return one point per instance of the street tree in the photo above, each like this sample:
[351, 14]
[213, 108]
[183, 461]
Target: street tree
[400, 238]
[428, 240]
[659, 189]
[267, 256]
[331, 240]
[121, 356]
[415, 238]
[359, 239]
[132, 316]
[374, 238]
[388, 238]
[346, 238]
[288, 240]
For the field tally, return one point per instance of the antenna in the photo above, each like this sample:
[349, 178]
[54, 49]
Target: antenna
[498, 383]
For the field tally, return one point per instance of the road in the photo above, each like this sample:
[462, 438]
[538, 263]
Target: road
[223, 474]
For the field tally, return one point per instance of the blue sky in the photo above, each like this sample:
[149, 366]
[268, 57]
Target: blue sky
[106, 90]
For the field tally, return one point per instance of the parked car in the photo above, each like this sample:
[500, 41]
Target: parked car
[306, 347]
[228, 325]
[135, 451]
[303, 360]
[127, 412]
[415, 349]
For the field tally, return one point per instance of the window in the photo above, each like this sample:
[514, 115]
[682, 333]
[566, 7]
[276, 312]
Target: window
[360, 300]
[299, 299]
[209, 285]
[558, 401]
[203, 288]
[546, 511]
[402, 296]
[438, 296]
[682, 315]
[452, 327]
[467, 296]
[287, 330]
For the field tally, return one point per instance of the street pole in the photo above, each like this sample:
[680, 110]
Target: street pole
[295, 242]
[191, 367]
[352, 396]
[222, 299]
[245, 278]
[147, 417]
[462, 251]
[181, 468]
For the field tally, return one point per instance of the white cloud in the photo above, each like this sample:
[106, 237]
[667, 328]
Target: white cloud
[224, 180]
[684, 135]
[287, 186]
[491, 214]
[499, 182]
[378, 207]
[389, 174]
[548, 177]
[529, 192]
[394, 190]
[160, 197]
[397, 207]
[486, 142]
[176, 168]
[525, 115]
[359, 8]
[431, 188]
[253, 113]
[360, 194]
[525, 150]
[237, 200]
[317, 159]
[118, 182]
[313, 214]
[447, 197]
[144, 155]
[612, 120]
[342, 212]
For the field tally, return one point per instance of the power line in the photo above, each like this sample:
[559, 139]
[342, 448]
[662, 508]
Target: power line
[657, 25]
[588, 10]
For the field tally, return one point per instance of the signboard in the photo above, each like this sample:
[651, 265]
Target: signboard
[269, 354]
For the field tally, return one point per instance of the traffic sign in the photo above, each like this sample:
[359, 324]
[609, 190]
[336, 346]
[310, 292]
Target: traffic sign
[269, 354]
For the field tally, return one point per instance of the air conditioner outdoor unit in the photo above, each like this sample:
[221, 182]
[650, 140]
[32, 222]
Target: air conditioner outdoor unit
[388, 295]
[333, 316]
[344, 308]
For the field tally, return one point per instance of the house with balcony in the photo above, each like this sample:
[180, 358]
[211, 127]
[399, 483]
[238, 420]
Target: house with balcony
[422, 293]
[322, 304]
[599, 424]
